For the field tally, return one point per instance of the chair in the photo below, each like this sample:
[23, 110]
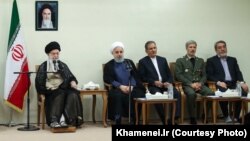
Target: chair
[211, 85]
[178, 86]
[40, 106]
[41, 113]
[106, 85]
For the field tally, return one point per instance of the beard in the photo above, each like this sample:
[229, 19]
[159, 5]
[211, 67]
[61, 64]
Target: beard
[53, 58]
[223, 55]
[47, 24]
[119, 60]
[53, 64]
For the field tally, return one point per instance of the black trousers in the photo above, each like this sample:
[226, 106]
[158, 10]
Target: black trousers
[64, 102]
[118, 102]
[224, 104]
[159, 107]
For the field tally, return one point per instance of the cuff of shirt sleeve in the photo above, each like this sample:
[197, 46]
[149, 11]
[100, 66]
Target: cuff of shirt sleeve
[218, 83]
[116, 84]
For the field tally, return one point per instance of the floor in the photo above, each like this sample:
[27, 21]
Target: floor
[88, 132]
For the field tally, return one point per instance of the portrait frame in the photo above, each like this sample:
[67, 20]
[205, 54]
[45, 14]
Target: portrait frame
[51, 21]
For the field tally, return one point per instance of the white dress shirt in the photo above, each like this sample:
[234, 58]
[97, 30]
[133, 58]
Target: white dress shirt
[154, 61]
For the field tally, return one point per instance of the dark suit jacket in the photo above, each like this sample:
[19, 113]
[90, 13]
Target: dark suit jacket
[215, 71]
[148, 72]
[109, 73]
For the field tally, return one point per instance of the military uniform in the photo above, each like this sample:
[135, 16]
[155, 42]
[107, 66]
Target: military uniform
[188, 74]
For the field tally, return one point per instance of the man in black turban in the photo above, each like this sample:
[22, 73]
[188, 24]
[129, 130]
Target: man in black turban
[51, 46]
[62, 99]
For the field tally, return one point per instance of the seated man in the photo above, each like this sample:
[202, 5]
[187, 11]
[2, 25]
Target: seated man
[190, 70]
[224, 70]
[59, 85]
[154, 70]
[120, 72]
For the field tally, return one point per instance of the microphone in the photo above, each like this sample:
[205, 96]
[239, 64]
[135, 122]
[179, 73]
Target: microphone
[56, 66]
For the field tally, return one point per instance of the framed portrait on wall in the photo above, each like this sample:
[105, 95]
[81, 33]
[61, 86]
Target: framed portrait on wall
[46, 15]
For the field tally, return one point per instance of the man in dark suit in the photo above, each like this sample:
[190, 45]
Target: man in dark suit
[191, 71]
[224, 70]
[154, 70]
[119, 72]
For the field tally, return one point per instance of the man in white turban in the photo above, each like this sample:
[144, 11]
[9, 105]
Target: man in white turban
[120, 72]
[117, 49]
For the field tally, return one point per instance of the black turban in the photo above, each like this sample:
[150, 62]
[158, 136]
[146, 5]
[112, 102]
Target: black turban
[51, 46]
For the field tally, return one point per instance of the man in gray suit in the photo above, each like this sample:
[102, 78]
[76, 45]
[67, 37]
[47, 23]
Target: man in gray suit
[190, 70]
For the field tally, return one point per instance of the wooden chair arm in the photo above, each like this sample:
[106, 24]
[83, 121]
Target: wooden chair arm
[107, 86]
[212, 85]
[177, 83]
[178, 86]
[145, 85]
[211, 82]
[41, 97]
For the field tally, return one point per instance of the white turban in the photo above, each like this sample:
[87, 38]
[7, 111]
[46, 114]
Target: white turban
[116, 44]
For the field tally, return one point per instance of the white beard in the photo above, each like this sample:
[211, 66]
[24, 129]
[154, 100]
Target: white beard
[51, 66]
[47, 24]
[119, 60]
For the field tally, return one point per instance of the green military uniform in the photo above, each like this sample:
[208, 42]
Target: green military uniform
[187, 74]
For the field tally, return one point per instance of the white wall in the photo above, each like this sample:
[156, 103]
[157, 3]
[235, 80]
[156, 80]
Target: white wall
[88, 28]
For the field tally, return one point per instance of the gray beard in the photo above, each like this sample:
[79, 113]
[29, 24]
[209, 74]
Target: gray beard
[51, 65]
[119, 60]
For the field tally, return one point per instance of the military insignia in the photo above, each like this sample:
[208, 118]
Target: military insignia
[186, 70]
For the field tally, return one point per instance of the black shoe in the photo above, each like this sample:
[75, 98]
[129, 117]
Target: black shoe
[177, 118]
[79, 121]
[118, 120]
[239, 120]
[193, 121]
[203, 118]
[132, 122]
[163, 120]
[170, 122]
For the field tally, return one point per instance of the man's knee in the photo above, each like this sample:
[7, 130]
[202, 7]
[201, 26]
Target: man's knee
[115, 94]
[138, 93]
[191, 96]
[153, 89]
